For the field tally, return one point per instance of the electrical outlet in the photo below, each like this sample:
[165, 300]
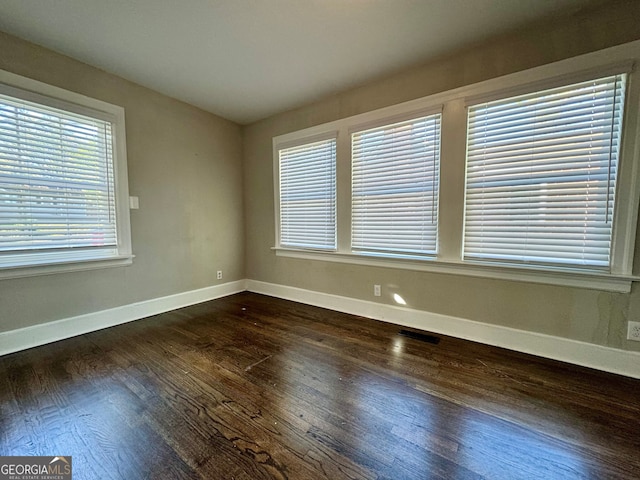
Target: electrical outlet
[634, 331]
[219, 275]
[376, 290]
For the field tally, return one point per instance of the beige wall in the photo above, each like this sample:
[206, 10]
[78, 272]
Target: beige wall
[580, 314]
[184, 164]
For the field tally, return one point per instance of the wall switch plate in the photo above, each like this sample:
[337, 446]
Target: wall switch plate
[376, 290]
[634, 331]
[134, 203]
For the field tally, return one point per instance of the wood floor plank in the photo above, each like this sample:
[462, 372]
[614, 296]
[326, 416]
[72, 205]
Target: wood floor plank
[253, 387]
[246, 426]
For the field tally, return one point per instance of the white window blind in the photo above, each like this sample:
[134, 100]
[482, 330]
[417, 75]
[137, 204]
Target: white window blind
[541, 175]
[395, 176]
[308, 195]
[56, 181]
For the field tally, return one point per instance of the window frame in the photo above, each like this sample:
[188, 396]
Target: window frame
[64, 261]
[453, 103]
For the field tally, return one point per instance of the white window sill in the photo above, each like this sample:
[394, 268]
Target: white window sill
[17, 271]
[556, 276]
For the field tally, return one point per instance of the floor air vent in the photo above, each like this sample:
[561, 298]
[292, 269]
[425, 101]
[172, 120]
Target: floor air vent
[423, 337]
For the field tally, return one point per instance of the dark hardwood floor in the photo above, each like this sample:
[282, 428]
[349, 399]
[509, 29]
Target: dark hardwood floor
[252, 387]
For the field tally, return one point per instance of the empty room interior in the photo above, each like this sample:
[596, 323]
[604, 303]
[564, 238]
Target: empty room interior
[320, 239]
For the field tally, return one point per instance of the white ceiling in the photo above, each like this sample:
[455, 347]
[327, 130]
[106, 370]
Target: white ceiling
[248, 59]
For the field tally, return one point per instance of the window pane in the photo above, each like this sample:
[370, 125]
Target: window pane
[395, 172]
[56, 180]
[308, 195]
[541, 175]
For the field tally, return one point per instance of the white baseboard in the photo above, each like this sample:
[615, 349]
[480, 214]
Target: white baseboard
[579, 353]
[585, 354]
[28, 337]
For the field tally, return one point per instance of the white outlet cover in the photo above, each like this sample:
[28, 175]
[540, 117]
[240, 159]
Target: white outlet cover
[633, 332]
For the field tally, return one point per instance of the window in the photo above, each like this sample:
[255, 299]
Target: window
[541, 175]
[60, 196]
[534, 176]
[308, 195]
[395, 187]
